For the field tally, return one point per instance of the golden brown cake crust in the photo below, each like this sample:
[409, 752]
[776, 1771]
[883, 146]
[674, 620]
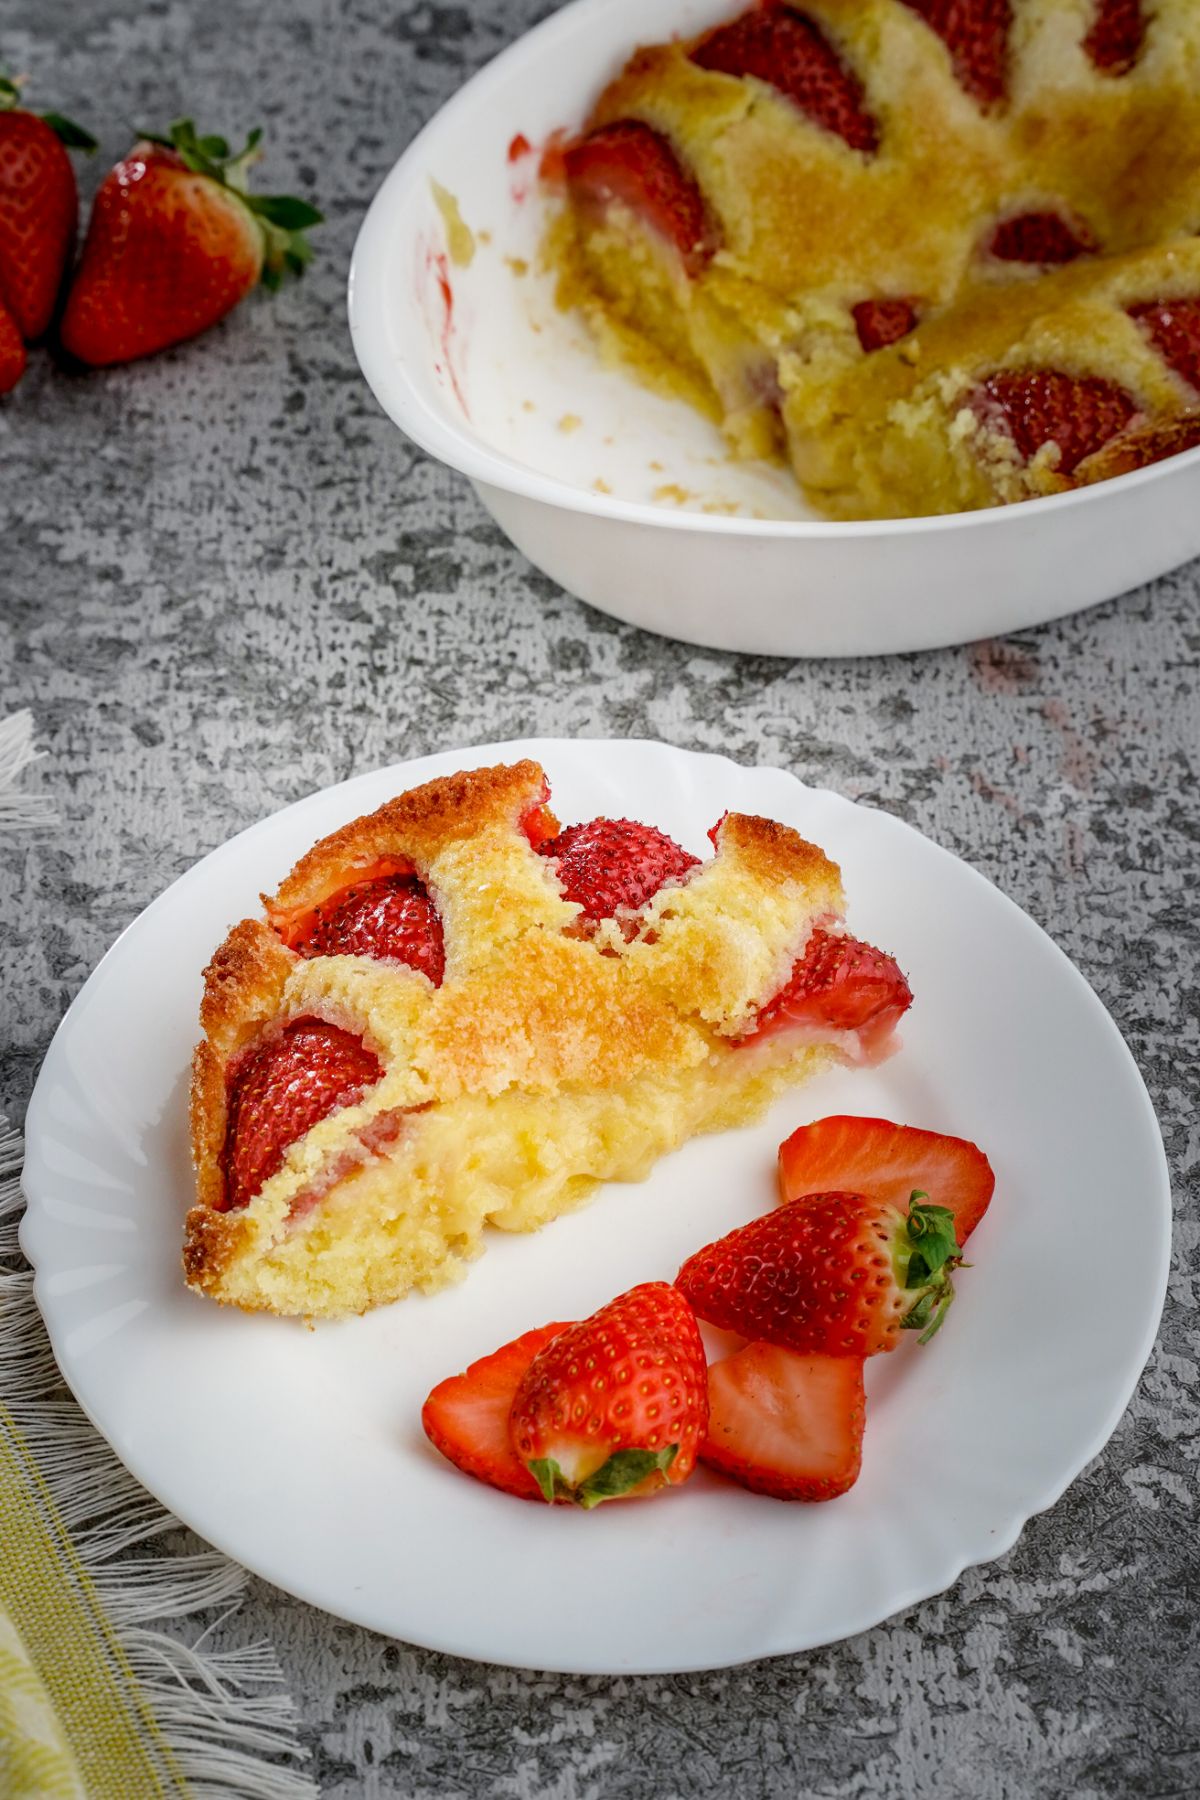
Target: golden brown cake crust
[532, 1009]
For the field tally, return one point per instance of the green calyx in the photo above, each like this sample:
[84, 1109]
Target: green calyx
[927, 1255]
[72, 135]
[624, 1471]
[282, 219]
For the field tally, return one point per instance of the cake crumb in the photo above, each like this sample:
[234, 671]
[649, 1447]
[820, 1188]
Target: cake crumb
[517, 264]
[528, 406]
[601, 486]
[656, 465]
[485, 237]
[570, 422]
[672, 491]
[721, 506]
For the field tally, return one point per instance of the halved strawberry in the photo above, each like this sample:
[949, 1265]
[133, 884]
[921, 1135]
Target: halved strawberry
[836, 1274]
[281, 1090]
[883, 322]
[782, 47]
[786, 1425]
[12, 351]
[1042, 406]
[605, 864]
[1114, 42]
[874, 1156]
[391, 919]
[466, 1416]
[839, 984]
[630, 164]
[615, 1407]
[975, 32]
[1039, 237]
[1173, 327]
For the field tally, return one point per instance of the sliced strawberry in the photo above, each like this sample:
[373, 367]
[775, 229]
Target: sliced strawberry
[608, 864]
[1042, 406]
[782, 47]
[281, 1090]
[1039, 237]
[391, 919]
[1173, 327]
[466, 1416]
[975, 32]
[786, 1425]
[615, 1407]
[834, 1274]
[873, 1156]
[883, 322]
[1114, 42]
[630, 164]
[839, 984]
[12, 351]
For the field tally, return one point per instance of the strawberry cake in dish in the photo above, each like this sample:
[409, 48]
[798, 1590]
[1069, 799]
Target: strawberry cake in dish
[455, 1013]
[936, 254]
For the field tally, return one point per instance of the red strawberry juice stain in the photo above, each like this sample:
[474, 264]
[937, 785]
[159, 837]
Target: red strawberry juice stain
[519, 147]
[437, 266]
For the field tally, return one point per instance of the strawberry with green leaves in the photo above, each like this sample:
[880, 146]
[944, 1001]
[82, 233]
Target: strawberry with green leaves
[175, 241]
[835, 1274]
[38, 211]
[615, 1407]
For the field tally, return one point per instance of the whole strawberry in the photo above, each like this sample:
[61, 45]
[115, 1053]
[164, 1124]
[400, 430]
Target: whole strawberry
[39, 205]
[830, 1275]
[616, 1406]
[174, 242]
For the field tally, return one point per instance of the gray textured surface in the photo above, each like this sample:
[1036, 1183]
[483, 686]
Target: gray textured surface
[227, 581]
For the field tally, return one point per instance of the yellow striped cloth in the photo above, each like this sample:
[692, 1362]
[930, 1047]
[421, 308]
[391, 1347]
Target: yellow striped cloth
[97, 1700]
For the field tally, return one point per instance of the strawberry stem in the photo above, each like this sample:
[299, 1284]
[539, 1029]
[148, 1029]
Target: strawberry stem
[933, 1255]
[624, 1471]
[71, 134]
[282, 219]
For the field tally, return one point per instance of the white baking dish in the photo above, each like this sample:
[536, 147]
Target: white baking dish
[605, 486]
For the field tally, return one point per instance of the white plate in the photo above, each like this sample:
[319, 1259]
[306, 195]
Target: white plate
[482, 370]
[300, 1452]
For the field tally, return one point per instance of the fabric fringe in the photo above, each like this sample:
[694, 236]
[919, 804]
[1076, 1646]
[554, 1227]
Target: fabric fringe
[230, 1738]
[24, 810]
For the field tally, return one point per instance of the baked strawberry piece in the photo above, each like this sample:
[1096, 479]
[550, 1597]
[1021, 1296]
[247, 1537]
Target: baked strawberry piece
[631, 165]
[786, 1425]
[281, 1090]
[1036, 407]
[887, 1161]
[783, 48]
[389, 917]
[466, 1416]
[615, 1407]
[976, 35]
[611, 865]
[839, 984]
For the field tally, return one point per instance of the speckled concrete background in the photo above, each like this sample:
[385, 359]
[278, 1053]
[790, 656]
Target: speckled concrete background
[227, 581]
